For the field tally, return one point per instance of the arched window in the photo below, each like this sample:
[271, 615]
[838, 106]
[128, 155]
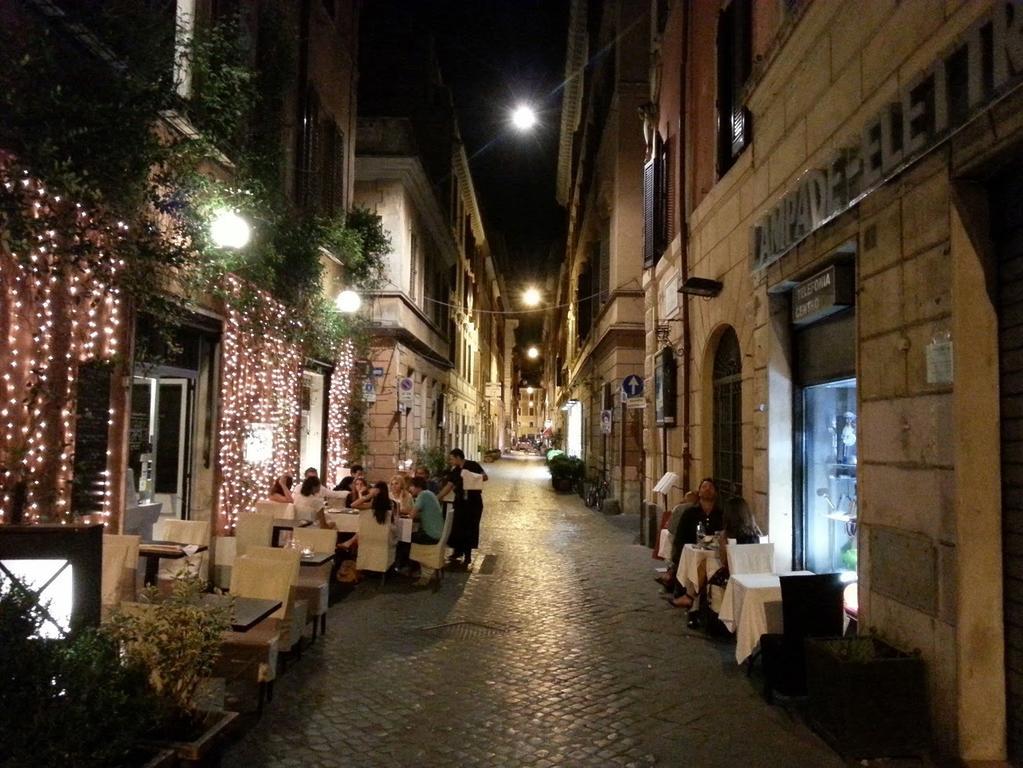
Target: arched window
[728, 415]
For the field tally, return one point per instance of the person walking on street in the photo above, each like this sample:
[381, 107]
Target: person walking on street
[468, 504]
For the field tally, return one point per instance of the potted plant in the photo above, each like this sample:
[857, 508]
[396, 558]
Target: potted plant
[176, 639]
[867, 698]
[68, 700]
[565, 471]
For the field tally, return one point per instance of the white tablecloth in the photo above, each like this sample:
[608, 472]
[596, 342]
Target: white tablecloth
[345, 522]
[665, 544]
[689, 570]
[751, 607]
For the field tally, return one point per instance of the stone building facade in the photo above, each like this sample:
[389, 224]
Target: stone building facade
[833, 244]
[596, 339]
[437, 320]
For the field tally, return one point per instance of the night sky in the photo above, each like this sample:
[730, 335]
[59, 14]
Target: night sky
[495, 54]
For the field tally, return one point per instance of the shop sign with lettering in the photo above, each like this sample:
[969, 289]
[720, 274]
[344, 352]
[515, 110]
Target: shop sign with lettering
[823, 294]
[976, 71]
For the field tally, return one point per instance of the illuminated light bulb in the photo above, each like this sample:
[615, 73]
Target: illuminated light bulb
[523, 117]
[229, 230]
[348, 301]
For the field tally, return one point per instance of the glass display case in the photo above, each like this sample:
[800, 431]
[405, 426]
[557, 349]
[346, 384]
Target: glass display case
[829, 476]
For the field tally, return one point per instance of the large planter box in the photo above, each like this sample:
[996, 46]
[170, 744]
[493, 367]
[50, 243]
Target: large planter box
[563, 484]
[205, 749]
[866, 698]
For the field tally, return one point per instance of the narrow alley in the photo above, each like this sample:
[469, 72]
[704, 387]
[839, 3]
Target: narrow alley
[555, 650]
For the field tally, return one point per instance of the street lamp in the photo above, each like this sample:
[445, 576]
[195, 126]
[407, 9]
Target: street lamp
[229, 230]
[531, 297]
[348, 301]
[532, 353]
[529, 391]
[523, 117]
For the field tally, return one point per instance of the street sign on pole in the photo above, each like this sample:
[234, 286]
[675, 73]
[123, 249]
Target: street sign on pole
[632, 392]
[605, 422]
[369, 392]
[406, 388]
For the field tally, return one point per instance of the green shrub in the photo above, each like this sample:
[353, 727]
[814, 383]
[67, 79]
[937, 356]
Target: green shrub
[566, 467]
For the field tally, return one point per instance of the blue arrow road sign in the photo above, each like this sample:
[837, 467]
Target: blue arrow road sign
[632, 386]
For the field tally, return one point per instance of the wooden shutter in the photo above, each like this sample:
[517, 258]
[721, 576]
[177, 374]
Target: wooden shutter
[653, 206]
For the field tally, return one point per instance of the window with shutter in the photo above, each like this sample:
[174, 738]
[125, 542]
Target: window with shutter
[735, 59]
[654, 204]
[584, 312]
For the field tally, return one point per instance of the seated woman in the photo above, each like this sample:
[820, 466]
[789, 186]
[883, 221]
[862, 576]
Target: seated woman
[310, 500]
[358, 490]
[280, 490]
[737, 523]
[379, 500]
[398, 490]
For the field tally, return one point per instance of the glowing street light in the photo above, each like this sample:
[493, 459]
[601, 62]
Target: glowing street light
[531, 297]
[524, 117]
[348, 301]
[532, 353]
[529, 390]
[229, 230]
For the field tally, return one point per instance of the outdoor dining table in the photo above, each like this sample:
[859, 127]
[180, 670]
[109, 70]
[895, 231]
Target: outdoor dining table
[694, 559]
[313, 559]
[246, 612]
[154, 551]
[286, 524]
[751, 607]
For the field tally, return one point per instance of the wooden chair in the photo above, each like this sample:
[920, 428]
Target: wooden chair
[377, 545]
[120, 570]
[294, 612]
[314, 583]
[276, 509]
[432, 555]
[184, 532]
[259, 646]
[252, 530]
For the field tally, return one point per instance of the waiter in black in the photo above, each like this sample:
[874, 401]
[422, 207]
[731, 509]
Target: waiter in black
[468, 506]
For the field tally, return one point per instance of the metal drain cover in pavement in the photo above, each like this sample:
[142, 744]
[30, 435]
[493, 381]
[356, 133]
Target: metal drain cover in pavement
[465, 630]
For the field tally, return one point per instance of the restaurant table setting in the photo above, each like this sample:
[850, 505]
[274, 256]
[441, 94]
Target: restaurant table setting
[286, 524]
[154, 551]
[751, 607]
[694, 559]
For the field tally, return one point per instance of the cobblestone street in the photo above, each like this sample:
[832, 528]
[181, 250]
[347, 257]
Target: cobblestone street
[556, 650]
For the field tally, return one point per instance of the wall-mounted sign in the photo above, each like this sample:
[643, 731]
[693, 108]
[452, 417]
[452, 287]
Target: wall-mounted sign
[259, 443]
[827, 292]
[664, 388]
[406, 390]
[973, 73]
[493, 390]
[378, 371]
[369, 392]
[606, 422]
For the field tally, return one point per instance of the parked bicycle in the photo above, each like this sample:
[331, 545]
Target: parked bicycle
[598, 490]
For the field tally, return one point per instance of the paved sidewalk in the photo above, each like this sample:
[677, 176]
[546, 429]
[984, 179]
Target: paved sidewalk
[567, 657]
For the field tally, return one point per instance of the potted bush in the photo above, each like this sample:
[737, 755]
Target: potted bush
[176, 640]
[565, 471]
[867, 698]
[69, 701]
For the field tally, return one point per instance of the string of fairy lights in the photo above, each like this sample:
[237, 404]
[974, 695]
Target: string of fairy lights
[59, 308]
[339, 411]
[261, 389]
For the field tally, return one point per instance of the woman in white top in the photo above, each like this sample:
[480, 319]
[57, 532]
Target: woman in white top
[310, 499]
[401, 497]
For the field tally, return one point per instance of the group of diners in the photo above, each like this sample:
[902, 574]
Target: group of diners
[416, 497]
[702, 517]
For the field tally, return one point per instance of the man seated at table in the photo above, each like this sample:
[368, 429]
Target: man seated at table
[354, 471]
[706, 511]
[424, 473]
[426, 509]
